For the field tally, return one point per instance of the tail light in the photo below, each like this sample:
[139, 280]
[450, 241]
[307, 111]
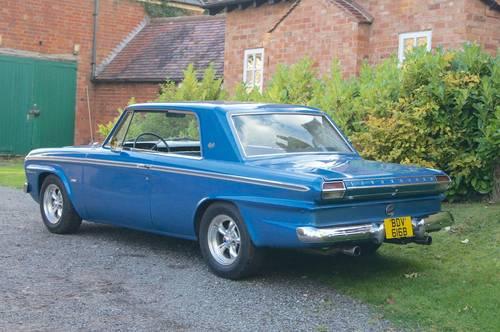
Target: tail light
[443, 181]
[333, 190]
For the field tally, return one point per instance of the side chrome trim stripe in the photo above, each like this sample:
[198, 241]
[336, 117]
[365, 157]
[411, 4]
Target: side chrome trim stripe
[234, 178]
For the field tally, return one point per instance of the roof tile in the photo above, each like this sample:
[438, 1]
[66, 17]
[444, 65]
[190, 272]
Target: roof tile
[166, 46]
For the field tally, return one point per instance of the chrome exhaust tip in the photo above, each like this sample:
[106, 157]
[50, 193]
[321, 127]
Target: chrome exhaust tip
[351, 251]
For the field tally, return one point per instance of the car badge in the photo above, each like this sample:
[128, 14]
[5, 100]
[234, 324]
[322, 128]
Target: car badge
[389, 210]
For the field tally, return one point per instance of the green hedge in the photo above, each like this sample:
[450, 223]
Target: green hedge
[439, 109]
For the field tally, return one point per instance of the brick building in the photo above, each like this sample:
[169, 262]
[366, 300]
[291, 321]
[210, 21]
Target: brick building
[50, 51]
[262, 34]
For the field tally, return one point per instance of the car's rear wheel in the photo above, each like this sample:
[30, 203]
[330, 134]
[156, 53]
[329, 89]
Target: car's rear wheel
[58, 213]
[226, 244]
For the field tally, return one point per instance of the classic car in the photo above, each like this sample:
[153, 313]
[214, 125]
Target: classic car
[238, 178]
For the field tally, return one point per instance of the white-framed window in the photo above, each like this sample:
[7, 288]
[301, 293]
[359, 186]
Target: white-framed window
[253, 69]
[410, 40]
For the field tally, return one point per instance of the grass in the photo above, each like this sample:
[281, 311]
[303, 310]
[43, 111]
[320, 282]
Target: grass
[452, 285]
[12, 173]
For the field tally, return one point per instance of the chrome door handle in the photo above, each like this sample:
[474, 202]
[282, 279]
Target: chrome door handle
[144, 166]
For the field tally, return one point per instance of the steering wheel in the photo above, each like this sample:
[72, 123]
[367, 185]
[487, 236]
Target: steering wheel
[155, 147]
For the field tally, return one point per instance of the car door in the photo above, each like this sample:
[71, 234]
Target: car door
[116, 182]
[175, 191]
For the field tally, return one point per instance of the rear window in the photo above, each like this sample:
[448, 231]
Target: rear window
[266, 134]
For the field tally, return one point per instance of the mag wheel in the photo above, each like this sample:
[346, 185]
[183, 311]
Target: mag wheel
[58, 214]
[226, 244]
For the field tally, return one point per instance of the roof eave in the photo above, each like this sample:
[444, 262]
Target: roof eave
[492, 4]
[134, 80]
[229, 5]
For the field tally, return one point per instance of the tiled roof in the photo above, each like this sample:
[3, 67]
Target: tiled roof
[190, 2]
[351, 6]
[166, 46]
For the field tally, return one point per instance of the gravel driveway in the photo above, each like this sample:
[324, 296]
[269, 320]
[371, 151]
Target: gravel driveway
[107, 279]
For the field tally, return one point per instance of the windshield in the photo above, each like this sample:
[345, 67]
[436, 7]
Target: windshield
[265, 134]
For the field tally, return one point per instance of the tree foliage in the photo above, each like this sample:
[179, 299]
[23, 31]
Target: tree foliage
[163, 9]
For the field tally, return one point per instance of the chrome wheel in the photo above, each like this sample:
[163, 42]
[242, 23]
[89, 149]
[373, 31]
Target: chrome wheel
[224, 239]
[53, 203]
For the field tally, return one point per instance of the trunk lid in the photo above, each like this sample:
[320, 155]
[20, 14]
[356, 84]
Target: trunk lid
[363, 179]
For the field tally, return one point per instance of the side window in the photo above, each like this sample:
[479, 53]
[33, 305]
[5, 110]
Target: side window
[117, 140]
[410, 40]
[167, 132]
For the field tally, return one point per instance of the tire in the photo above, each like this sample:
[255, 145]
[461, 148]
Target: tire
[369, 248]
[232, 261]
[58, 213]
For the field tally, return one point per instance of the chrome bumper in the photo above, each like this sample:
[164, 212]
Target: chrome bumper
[374, 232]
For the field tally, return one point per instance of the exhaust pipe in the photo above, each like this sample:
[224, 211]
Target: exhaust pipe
[351, 251]
[426, 240]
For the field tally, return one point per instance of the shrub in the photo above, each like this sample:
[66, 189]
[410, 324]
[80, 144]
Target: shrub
[444, 114]
[193, 89]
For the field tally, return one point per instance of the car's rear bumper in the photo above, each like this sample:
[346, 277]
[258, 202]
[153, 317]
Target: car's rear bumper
[374, 232]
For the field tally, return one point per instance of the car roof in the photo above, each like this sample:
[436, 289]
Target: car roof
[225, 107]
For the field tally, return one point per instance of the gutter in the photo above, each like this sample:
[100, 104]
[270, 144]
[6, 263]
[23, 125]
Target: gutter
[93, 63]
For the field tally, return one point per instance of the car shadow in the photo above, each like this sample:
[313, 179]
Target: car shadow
[135, 239]
[280, 264]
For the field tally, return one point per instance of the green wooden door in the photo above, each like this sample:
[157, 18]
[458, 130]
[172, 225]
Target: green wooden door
[48, 90]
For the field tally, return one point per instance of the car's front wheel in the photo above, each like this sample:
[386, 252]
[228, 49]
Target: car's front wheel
[58, 214]
[226, 244]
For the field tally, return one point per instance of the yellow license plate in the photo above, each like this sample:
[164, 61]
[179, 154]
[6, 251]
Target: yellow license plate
[397, 228]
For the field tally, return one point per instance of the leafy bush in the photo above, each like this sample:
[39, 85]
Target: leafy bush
[443, 114]
[438, 109]
[192, 89]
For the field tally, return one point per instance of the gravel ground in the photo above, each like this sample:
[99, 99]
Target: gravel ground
[110, 279]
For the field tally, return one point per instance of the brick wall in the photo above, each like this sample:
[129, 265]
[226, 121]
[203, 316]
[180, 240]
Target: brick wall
[322, 31]
[337, 35]
[316, 29]
[444, 17]
[482, 25]
[112, 96]
[242, 33]
[54, 27]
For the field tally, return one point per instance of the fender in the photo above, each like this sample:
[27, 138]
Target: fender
[38, 169]
[249, 207]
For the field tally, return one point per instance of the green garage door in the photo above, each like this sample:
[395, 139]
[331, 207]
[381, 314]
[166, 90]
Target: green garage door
[37, 104]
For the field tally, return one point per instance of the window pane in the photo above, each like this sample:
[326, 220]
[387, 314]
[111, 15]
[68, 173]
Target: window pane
[154, 130]
[249, 78]
[408, 44]
[422, 41]
[258, 78]
[250, 62]
[258, 61]
[117, 140]
[264, 134]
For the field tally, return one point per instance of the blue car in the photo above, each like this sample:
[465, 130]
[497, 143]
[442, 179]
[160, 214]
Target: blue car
[237, 178]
